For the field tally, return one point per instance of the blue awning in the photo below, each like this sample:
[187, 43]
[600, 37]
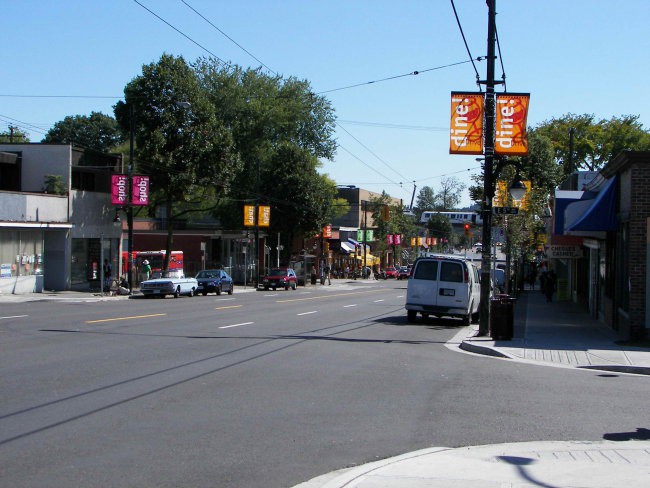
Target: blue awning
[356, 243]
[595, 215]
[345, 247]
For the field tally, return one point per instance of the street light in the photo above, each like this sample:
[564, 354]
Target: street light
[517, 188]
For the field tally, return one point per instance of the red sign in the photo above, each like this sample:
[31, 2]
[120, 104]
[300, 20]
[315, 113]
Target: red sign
[140, 195]
[119, 189]
[327, 232]
[389, 239]
[397, 239]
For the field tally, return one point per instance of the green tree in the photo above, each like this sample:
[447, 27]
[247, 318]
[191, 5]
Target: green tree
[594, 142]
[187, 151]
[97, 132]
[280, 130]
[426, 200]
[13, 134]
[440, 228]
[449, 195]
[398, 223]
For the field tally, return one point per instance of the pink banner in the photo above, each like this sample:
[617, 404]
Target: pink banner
[140, 195]
[389, 239]
[119, 189]
[397, 239]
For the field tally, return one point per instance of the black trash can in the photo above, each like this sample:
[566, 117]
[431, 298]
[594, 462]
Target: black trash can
[502, 317]
[313, 278]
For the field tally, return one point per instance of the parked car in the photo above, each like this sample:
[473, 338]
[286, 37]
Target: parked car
[444, 285]
[391, 272]
[214, 281]
[403, 273]
[280, 278]
[161, 287]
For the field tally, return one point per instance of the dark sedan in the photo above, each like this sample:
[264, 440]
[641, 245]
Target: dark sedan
[214, 281]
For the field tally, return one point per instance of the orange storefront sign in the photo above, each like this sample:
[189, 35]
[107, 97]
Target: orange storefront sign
[466, 123]
[510, 131]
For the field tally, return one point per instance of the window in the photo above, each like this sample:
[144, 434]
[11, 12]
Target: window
[426, 270]
[452, 272]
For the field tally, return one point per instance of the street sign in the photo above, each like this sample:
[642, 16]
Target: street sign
[505, 210]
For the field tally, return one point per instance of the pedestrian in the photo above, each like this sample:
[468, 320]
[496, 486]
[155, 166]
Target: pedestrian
[328, 272]
[108, 269]
[123, 288]
[549, 285]
[347, 271]
[146, 270]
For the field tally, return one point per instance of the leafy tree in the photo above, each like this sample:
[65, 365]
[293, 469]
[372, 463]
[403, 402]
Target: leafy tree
[426, 200]
[398, 223]
[440, 228]
[13, 134]
[187, 151]
[280, 130]
[97, 132]
[449, 195]
[594, 142]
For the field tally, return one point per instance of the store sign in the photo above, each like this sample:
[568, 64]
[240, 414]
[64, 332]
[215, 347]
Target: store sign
[510, 131]
[119, 189]
[140, 194]
[466, 123]
[563, 252]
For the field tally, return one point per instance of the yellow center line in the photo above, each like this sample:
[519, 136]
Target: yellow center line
[327, 296]
[125, 318]
[229, 306]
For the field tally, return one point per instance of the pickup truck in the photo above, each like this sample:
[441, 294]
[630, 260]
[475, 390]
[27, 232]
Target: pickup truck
[176, 286]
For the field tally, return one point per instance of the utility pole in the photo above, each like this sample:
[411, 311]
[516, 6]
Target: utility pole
[129, 207]
[488, 176]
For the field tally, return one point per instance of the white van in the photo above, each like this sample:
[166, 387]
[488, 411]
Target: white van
[444, 285]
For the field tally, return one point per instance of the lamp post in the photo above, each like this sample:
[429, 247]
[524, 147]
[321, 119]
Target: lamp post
[129, 207]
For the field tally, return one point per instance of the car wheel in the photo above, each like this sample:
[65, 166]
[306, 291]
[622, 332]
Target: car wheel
[218, 290]
[411, 315]
[293, 286]
[467, 319]
[286, 288]
[205, 292]
[274, 288]
[266, 288]
[177, 293]
[232, 289]
[191, 294]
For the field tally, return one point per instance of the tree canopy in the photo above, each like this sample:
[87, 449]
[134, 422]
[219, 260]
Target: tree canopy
[96, 131]
[13, 134]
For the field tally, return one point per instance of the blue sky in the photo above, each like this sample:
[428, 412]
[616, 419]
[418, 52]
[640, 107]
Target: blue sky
[580, 56]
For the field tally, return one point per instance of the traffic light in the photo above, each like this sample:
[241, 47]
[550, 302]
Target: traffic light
[468, 231]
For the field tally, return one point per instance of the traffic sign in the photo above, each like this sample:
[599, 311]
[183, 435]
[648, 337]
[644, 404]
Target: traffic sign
[505, 210]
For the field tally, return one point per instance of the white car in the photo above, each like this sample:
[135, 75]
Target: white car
[161, 287]
[444, 285]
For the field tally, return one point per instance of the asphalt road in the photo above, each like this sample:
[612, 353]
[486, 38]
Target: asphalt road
[267, 389]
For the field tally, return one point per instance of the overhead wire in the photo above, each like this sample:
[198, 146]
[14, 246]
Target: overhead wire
[503, 71]
[453, 6]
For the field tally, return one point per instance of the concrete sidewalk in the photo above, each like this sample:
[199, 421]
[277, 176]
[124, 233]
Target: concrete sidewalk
[549, 334]
[560, 334]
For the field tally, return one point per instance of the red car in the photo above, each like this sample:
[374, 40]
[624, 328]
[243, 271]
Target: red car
[391, 272]
[280, 278]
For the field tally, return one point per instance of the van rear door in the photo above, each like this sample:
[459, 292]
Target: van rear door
[453, 289]
[422, 287]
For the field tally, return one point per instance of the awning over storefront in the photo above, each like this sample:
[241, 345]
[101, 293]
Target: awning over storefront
[356, 243]
[347, 247]
[370, 259]
[595, 215]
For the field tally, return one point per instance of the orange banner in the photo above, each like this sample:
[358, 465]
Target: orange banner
[466, 124]
[510, 131]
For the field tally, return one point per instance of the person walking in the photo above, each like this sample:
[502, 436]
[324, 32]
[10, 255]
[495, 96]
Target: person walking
[146, 270]
[108, 269]
[328, 274]
[549, 285]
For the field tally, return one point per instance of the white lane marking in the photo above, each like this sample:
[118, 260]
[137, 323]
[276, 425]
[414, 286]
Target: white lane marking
[400, 296]
[236, 325]
[14, 317]
[377, 301]
[353, 305]
[307, 313]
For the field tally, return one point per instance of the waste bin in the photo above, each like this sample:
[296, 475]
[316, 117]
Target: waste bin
[502, 317]
[313, 278]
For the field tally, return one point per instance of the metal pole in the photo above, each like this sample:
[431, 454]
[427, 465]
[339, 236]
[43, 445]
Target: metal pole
[129, 207]
[278, 248]
[488, 177]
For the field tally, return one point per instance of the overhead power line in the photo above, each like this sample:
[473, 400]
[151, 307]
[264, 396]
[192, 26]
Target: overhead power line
[453, 6]
[413, 73]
